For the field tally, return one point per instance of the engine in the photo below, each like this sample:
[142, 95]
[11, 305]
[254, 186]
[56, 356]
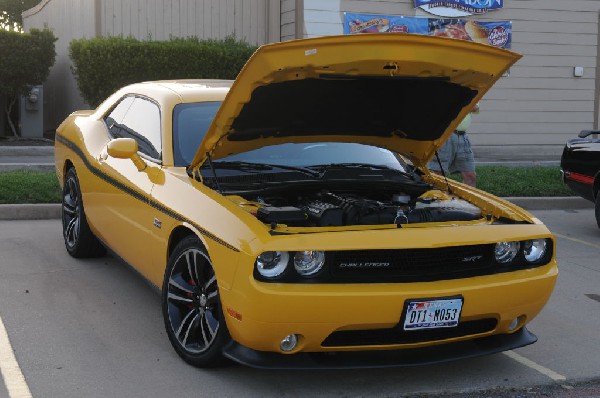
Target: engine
[328, 208]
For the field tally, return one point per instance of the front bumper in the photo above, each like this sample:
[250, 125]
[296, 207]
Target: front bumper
[325, 315]
[380, 359]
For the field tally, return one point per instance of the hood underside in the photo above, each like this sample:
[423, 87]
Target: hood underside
[403, 92]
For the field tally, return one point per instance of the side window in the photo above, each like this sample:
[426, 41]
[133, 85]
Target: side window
[116, 116]
[137, 118]
[190, 122]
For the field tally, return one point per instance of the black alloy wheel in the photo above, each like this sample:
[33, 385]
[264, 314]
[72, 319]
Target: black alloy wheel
[79, 239]
[191, 306]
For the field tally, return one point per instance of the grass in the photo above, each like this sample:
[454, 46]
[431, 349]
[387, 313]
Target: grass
[42, 187]
[520, 181]
[29, 187]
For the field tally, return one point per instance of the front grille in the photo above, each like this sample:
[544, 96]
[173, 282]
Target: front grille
[410, 265]
[396, 335]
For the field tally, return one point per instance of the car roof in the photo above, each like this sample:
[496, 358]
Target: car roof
[188, 90]
[172, 92]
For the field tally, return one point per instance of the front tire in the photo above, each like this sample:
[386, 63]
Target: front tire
[191, 306]
[79, 239]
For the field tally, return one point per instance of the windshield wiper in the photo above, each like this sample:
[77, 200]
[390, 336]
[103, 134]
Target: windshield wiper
[249, 166]
[326, 167]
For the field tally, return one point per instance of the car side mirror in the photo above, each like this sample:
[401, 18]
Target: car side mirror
[585, 133]
[126, 148]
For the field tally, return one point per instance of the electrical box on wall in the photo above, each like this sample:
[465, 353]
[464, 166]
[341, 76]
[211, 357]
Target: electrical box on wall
[578, 71]
[31, 113]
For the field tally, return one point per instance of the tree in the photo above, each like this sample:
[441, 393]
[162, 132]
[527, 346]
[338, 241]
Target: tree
[10, 13]
[25, 62]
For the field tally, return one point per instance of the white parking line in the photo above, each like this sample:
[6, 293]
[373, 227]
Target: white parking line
[529, 363]
[9, 367]
[577, 240]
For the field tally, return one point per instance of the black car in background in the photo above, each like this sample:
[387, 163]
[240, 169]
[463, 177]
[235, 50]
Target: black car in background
[580, 167]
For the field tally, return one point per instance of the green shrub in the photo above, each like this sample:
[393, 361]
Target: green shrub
[25, 61]
[103, 65]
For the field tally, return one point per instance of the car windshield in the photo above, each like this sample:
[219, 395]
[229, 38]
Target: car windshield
[316, 154]
[191, 121]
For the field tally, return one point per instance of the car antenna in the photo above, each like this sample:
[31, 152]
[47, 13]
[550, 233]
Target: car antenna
[210, 163]
[443, 173]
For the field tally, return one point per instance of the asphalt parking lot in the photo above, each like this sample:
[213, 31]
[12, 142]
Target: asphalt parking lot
[93, 328]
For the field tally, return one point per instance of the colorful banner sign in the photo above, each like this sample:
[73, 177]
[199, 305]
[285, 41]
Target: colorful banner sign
[498, 34]
[458, 8]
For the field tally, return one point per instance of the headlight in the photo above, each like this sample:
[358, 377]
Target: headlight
[272, 264]
[534, 249]
[505, 252]
[309, 262]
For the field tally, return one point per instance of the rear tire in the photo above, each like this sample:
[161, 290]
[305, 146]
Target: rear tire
[80, 242]
[191, 306]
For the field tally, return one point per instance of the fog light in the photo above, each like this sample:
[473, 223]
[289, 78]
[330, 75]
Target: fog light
[289, 342]
[517, 323]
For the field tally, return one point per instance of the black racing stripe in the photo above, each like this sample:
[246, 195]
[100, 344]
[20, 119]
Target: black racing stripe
[137, 195]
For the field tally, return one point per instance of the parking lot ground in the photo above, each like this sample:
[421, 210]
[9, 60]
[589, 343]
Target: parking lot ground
[93, 328]
[583, 389]
[571, 320]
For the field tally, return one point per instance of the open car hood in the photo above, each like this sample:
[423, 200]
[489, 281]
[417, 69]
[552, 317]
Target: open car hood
[403, 92]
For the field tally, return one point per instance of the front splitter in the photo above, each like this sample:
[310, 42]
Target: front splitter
[380, 359]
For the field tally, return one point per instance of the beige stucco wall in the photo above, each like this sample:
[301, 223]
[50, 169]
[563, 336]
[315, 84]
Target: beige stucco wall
[68, 19]
[541, 104]
[288, 19]
[256, 21]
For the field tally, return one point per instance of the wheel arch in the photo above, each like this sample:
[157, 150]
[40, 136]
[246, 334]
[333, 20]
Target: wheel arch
[225, 274]
[179, 233]
[67, 166]
[596, 186]
[61, 173]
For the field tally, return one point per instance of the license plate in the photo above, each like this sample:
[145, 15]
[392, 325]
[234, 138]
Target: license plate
[432, 314]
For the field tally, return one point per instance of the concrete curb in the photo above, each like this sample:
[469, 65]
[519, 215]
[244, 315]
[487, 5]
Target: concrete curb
[26, 166]
[53, 210]
[26, 150]
[44, 211]
[520, 163]
[34, 158]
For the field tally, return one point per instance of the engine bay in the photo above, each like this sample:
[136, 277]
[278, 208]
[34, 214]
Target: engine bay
[334, 208]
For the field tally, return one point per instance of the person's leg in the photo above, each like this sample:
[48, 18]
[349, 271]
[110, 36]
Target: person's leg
[465, 160]
[446, 155]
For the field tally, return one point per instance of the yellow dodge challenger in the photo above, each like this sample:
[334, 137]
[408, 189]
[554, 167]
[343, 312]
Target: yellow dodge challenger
[289, 218]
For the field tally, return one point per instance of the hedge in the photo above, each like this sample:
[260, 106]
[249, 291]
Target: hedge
[103, 65]
[25, 60]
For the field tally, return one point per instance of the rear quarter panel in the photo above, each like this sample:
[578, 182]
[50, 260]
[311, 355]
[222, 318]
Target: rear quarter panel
[582, 157]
